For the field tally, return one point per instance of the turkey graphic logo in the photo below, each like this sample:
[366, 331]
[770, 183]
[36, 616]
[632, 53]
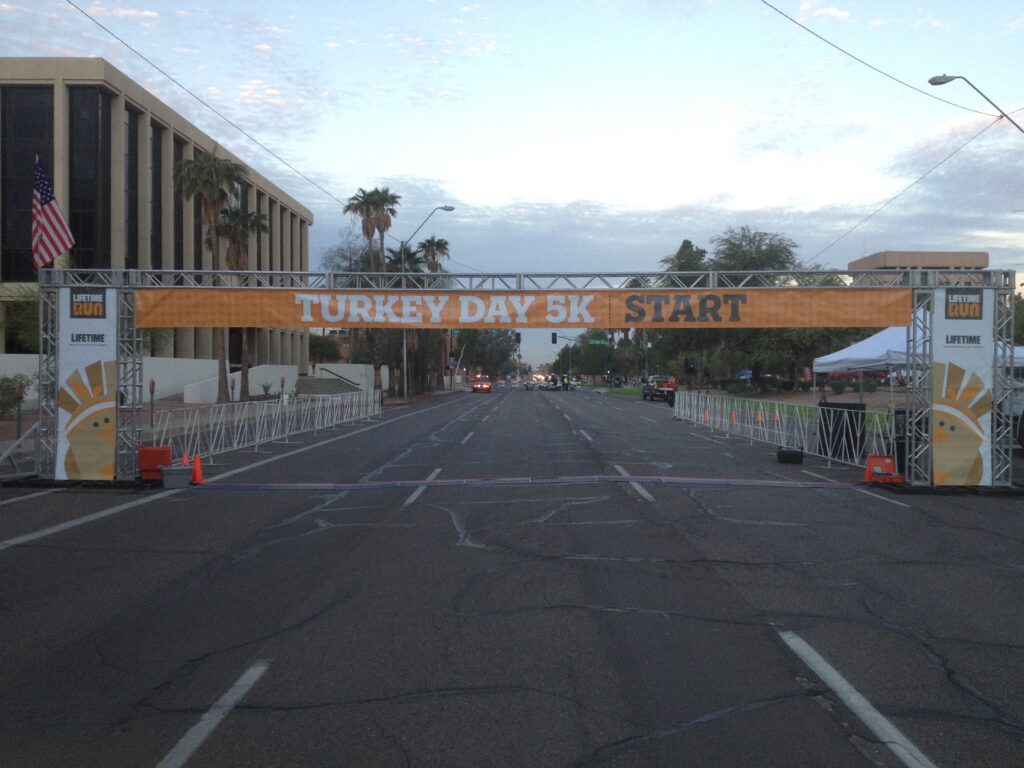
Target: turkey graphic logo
[959, 409]
[92, 426]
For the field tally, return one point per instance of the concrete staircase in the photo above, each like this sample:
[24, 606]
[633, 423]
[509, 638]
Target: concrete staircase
[327, 385]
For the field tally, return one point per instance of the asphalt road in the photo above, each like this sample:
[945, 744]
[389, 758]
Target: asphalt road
[515, 579]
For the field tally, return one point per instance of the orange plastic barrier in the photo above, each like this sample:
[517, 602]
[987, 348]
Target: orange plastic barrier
[151, 458]
[881, 468]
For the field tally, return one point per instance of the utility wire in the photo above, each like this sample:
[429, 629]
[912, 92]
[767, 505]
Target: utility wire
[872, 67]
[210, 107]
[893, 199]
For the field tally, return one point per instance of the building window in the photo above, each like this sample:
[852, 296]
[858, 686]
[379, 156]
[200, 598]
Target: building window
[26, 130]
[260, 203]
[179, 210]
[131, 189]
[89, 175]
[156, 197]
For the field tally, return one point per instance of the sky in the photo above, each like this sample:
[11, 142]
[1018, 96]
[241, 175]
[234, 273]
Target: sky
[597, 135]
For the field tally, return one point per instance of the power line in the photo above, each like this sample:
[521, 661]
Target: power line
[871, 215]
[872, 67]
[210, 107]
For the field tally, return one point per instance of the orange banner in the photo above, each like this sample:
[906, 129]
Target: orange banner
[729, 308]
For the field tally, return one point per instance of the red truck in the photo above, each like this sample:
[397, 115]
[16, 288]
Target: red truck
[660, 388]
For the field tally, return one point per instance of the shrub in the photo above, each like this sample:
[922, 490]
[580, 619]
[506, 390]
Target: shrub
[837, 387]
[9, 391]
[871, 385]
[805, 386]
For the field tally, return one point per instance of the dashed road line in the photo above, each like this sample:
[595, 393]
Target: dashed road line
[884, 498]
[567, 417]
[416, 494]
[820, 477]
[588, 438]
[27, 496]
[641, 491]
[199, 732]
[888, 734]
[466, 438]
[648, 418]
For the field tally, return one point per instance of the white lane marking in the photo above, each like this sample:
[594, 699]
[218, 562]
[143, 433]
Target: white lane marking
[82, 520]
[716, 442]
[485, 418]
[883, 498]
[199, 732]
[888, 733]
[615, 409]
[16, 499]
[567, 417]
[588, 437]
[223, 475]
[416, 494]
[648, 418]
[466, 438]
[820, 477]
[635, 485]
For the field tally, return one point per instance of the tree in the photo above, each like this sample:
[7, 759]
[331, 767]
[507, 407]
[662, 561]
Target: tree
[236, 226]
[687, 258]
[210, 177]
[434, 249]
[384, 204]
[747, 250]
[375, 209]
[361, 204]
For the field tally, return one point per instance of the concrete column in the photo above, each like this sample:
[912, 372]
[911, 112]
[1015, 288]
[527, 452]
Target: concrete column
[304, 352]
[275, 347]
[61, 171]
[188, 222]
[145, 183]
[287, 242]
[262, 347]
[167, 197]
[117, 201]
[252, 235]
[274, 252]
[264, 202]
[304, 245]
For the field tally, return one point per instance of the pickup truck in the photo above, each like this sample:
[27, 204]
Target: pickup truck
[659, 388]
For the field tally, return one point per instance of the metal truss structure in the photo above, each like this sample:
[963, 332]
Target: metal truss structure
[923, 284]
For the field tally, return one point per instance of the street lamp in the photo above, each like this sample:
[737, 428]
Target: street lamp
[943, 79]
[401, 251]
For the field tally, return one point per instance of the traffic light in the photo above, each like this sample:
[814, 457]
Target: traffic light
[554, 337]
[519, 338]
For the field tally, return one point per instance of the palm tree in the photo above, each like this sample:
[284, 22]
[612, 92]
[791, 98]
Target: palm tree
[434, 249]
[385, 207]
[404, 255]
[375, 209]
[210, 177]
[362, 205]
[236, 226]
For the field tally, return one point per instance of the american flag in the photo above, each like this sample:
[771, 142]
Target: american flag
[50, 233]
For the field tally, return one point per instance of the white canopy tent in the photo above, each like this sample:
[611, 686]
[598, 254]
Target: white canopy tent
[884, 351]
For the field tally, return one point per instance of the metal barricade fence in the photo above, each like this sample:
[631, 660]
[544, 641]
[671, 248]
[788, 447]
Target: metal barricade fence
[211, 429]
[836, 433]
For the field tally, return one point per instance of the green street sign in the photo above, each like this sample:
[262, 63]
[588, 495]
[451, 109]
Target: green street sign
[598, 342]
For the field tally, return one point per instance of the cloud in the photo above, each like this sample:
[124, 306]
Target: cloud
[264, 47]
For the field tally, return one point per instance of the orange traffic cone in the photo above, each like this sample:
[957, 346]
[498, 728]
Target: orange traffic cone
[760, 417]
[185, 460]
[197, 471]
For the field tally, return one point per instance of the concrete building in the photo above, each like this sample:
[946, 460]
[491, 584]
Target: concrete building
[110, 148]
[922, 260]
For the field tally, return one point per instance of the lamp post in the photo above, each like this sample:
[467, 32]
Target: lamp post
[943, 79]
[401, 251]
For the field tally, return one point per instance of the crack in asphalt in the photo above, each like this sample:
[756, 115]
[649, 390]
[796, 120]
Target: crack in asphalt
[614, 749]
[186, 667]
